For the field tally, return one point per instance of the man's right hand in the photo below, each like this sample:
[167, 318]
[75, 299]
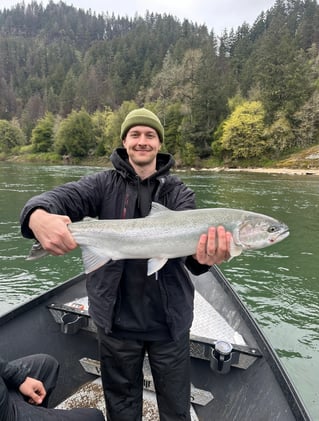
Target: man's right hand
[34, 390]
[52, 232]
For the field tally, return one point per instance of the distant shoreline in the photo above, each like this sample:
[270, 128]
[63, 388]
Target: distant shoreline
[262, 170]
[288, 171]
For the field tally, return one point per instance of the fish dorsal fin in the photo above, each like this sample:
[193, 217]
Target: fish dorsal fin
[89, 219]
[158, 208]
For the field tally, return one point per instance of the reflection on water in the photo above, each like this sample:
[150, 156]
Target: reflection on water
[279, 284]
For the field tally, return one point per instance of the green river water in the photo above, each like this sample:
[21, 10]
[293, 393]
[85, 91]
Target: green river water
[279, 284]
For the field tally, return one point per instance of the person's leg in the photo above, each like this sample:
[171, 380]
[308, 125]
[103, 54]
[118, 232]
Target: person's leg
[77, 414]
[6, 405]
[42, 367]
[170, 365]
[27, 412]
[122, 377]
[45, 368]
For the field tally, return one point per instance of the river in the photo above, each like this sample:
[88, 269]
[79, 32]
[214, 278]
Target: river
[279, 284]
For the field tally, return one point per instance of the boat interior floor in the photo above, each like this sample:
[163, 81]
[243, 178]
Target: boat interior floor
[91, 396]
[208, 326]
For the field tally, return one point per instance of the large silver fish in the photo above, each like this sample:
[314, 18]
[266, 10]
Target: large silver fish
[165, 234]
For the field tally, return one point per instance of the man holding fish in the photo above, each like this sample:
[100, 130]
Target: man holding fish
[134, 312]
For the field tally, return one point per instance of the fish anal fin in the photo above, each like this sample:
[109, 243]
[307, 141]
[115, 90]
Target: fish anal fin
[155, 264]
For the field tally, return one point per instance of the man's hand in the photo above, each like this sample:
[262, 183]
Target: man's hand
[213, 247]
[52, 232]
[34, 390]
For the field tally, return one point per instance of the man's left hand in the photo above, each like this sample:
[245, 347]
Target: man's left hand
[213, 247]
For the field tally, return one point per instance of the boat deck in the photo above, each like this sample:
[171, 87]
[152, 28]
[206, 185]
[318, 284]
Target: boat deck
[208, 326]
[248, 383]
[91, 395]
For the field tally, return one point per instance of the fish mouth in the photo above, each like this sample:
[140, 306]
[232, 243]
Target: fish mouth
[284, 234]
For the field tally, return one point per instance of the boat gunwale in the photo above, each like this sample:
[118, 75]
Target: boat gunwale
[30, 304]
[287, 386]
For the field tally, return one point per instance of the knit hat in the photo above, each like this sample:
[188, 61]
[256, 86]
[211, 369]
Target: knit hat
[142, 117]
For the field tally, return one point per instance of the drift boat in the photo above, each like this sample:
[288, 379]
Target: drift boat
[235, 373]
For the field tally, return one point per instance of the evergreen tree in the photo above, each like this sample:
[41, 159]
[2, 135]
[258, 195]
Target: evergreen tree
[58, 59]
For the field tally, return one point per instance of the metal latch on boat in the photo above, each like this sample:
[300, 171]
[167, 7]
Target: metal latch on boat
[70, 318]
[221, 357]
[71, 323]
[225, 356]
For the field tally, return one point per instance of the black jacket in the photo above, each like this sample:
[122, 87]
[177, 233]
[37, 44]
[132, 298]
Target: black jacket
[116, 194]
[13, 374]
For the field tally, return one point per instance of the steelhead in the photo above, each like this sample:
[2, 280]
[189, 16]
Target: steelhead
[165, 234]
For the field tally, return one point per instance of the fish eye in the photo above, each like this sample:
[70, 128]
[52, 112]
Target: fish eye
[272, 228]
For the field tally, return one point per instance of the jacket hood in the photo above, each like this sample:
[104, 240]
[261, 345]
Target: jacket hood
[119, 159]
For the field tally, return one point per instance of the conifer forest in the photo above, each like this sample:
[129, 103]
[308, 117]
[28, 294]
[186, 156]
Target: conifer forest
[68, 77]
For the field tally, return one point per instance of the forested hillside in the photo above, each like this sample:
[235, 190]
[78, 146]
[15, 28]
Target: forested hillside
[68, 77]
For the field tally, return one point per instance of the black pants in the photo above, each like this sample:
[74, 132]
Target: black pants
[13, 406]
[122, 376]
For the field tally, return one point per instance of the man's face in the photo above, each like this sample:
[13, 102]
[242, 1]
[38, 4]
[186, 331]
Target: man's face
[142, 145]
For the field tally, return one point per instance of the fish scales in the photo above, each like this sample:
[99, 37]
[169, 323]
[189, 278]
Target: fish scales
[166, 234]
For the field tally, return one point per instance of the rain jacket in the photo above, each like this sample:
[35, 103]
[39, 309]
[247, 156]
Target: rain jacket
[118, 194]
[13, 375]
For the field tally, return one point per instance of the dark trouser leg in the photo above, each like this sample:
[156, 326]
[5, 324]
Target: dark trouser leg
[170, 364]
[42, 367]
[45, 368]
[122, 377]
[6, 404]
[27, 412]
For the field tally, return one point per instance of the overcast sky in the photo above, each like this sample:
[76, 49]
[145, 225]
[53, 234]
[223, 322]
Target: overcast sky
[216, 14]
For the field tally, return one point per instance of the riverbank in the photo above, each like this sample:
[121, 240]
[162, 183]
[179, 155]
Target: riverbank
[305, 162]
[288, 171]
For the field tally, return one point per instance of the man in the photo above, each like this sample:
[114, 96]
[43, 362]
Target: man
[25, 387]
[134, 313]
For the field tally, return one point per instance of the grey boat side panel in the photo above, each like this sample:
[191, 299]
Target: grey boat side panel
[265, 388]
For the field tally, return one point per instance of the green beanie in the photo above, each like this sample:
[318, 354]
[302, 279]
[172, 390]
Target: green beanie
[142, 117]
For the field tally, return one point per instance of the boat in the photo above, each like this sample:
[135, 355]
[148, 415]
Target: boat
[236, 374]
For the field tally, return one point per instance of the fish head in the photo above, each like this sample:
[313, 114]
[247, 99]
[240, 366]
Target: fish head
[257, 232]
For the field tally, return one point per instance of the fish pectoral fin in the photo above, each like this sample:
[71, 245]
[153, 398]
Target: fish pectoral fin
[155, 264]
[93, 259]
[235, 249]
